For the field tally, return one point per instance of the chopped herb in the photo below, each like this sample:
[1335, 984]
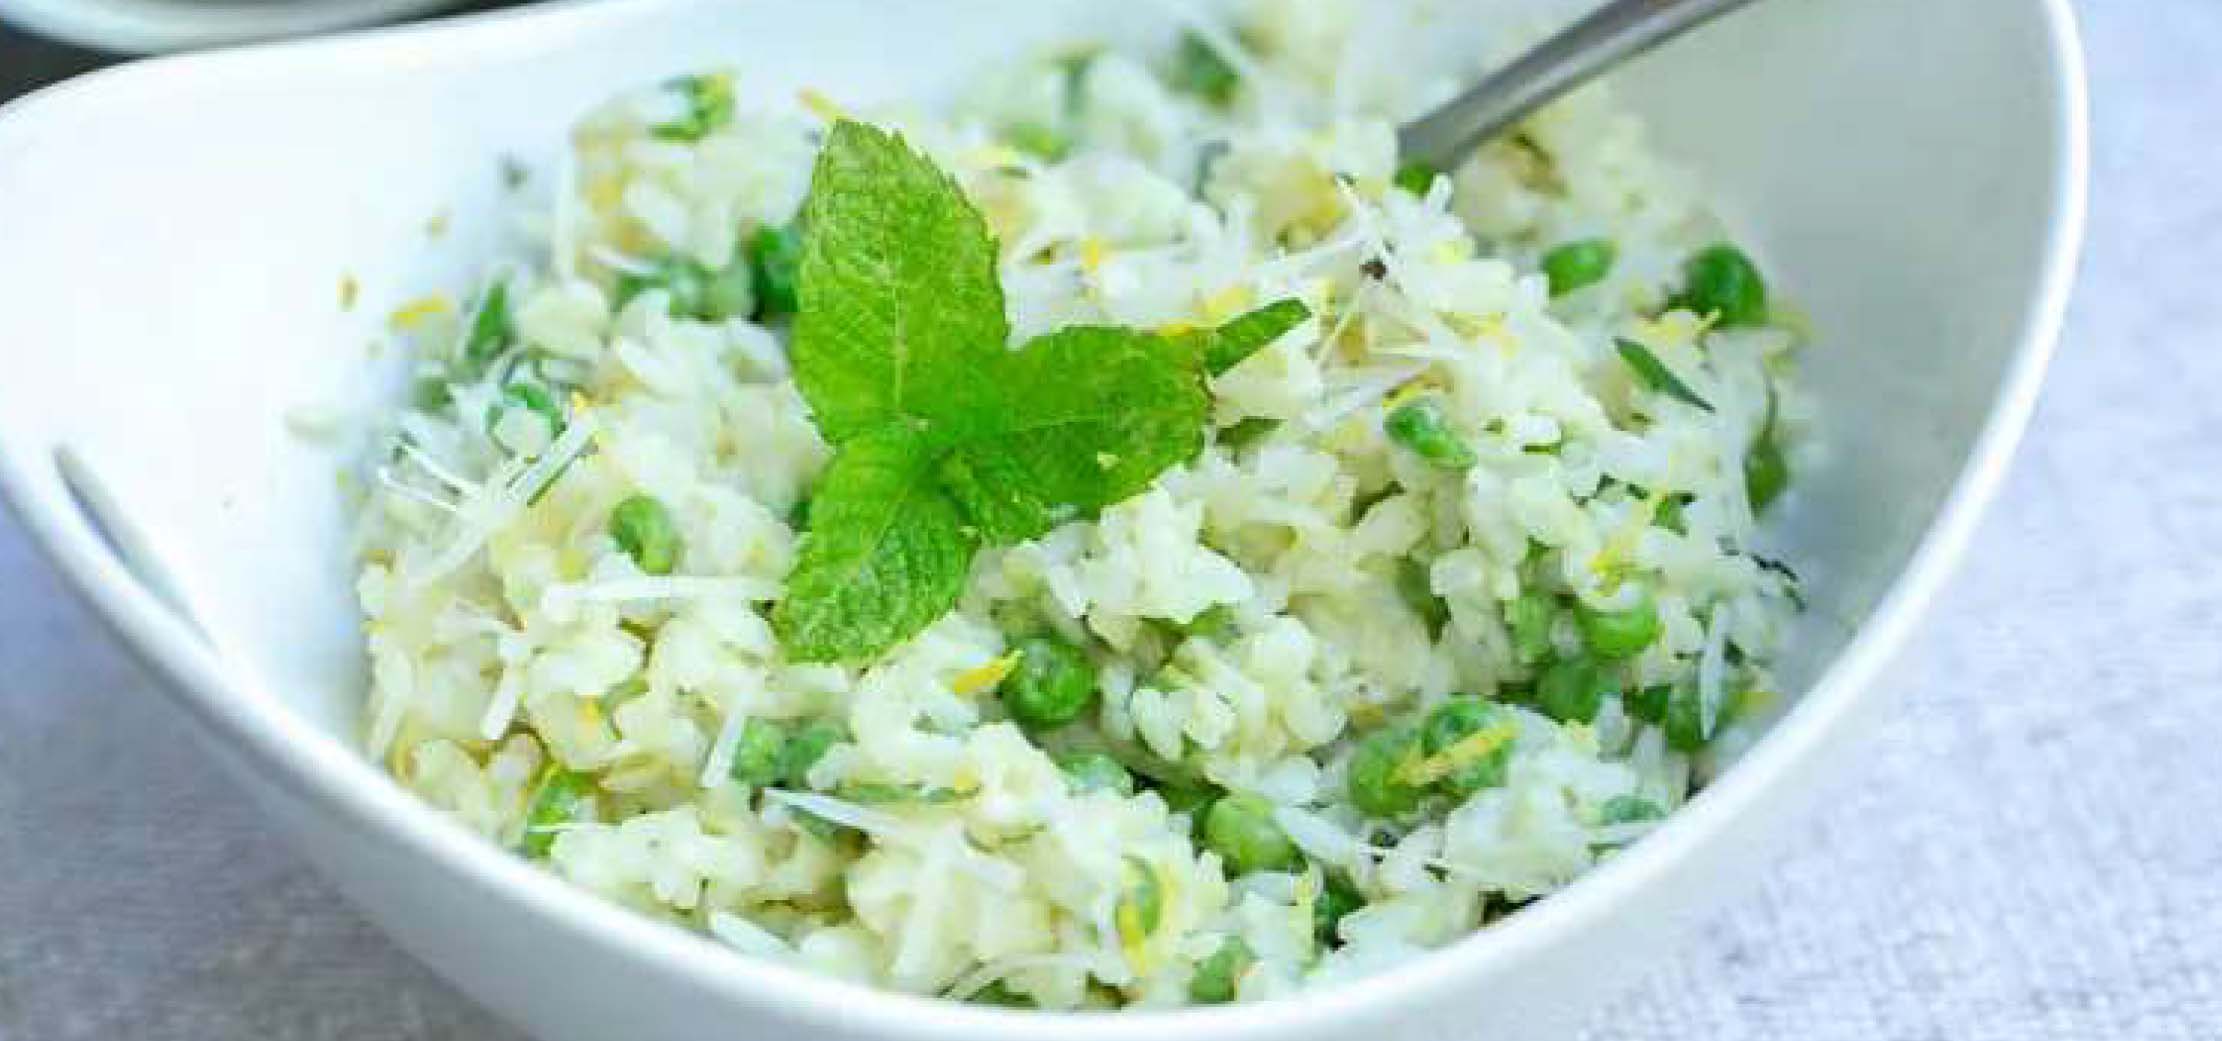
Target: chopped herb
[774, 255]
[1247, 432]
[531, 397]
[1649, 704]
[1045, 143]
[709, 101]
[1684, 719]
[643, 528]
[803, 751]
[1414, 585]
[1337, 898]
[491, 328]
[1419, 427]
[1218, 976]
[1199, 69]
[562, 798]
[1212, 623]
[758, 758]
[1655, 375]
[1000, 995]
[1576, 265]
[1529, 617]
[1629, 809]
[1721, 283]
[1417, 177]
[696, 291]
[1766, 469]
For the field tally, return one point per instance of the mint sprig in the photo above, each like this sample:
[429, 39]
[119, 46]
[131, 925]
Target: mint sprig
[945, 438]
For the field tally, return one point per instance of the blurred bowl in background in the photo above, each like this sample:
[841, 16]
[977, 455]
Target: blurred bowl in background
[146, 26]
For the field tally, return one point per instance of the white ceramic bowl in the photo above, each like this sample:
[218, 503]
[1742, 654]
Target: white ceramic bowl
[172, 236]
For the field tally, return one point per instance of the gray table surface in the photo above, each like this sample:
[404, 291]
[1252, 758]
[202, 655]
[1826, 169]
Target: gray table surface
[2029, 853]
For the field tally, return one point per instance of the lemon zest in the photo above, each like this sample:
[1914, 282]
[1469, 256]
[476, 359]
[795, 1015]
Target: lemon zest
[415, 314]
[1466, 751]
[984, 676]
[821, 106]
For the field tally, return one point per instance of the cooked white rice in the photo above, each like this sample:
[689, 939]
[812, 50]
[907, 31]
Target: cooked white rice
[514, 645]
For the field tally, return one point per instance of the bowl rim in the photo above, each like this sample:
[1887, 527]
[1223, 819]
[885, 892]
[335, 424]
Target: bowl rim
[329, 776]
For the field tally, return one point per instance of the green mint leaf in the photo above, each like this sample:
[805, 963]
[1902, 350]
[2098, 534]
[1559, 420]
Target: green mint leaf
[1092, 415]
[1246, 334]
[886, 554]
[900, 308]
[1657, 376]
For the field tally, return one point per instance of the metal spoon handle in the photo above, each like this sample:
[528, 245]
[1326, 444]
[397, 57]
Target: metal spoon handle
[1605, 37]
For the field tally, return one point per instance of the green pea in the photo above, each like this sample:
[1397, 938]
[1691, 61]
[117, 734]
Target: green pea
[1721, 281]
[1218, 976]
[1454, 721]
[1087, 771]
[1628, 809]
[1337, 898]
[1766, 471]
[1622, 632]
[563, 797]
[757, 758]
[805, 749]
[1374, 786]
[1053, 684]
[1419, 426]
[1199, 70]
[1529, 617]
[531, 397]
[1572, 690]
[775, 258]
[1575, 265]
[1240, 828]
[492, 328]
[644, 530]
[1417, 177]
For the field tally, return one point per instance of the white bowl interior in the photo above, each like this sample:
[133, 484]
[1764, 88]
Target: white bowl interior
[173, 240]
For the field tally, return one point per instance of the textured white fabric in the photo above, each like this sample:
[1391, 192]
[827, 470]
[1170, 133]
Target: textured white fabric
[2031, 853]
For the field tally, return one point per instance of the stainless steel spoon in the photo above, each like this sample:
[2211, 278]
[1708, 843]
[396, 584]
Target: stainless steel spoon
[1619, 30]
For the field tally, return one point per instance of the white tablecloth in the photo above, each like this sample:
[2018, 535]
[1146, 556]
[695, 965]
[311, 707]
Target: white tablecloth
[2030, 853]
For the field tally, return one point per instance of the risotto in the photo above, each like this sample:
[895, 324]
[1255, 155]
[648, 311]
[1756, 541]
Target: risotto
[1120, 538]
